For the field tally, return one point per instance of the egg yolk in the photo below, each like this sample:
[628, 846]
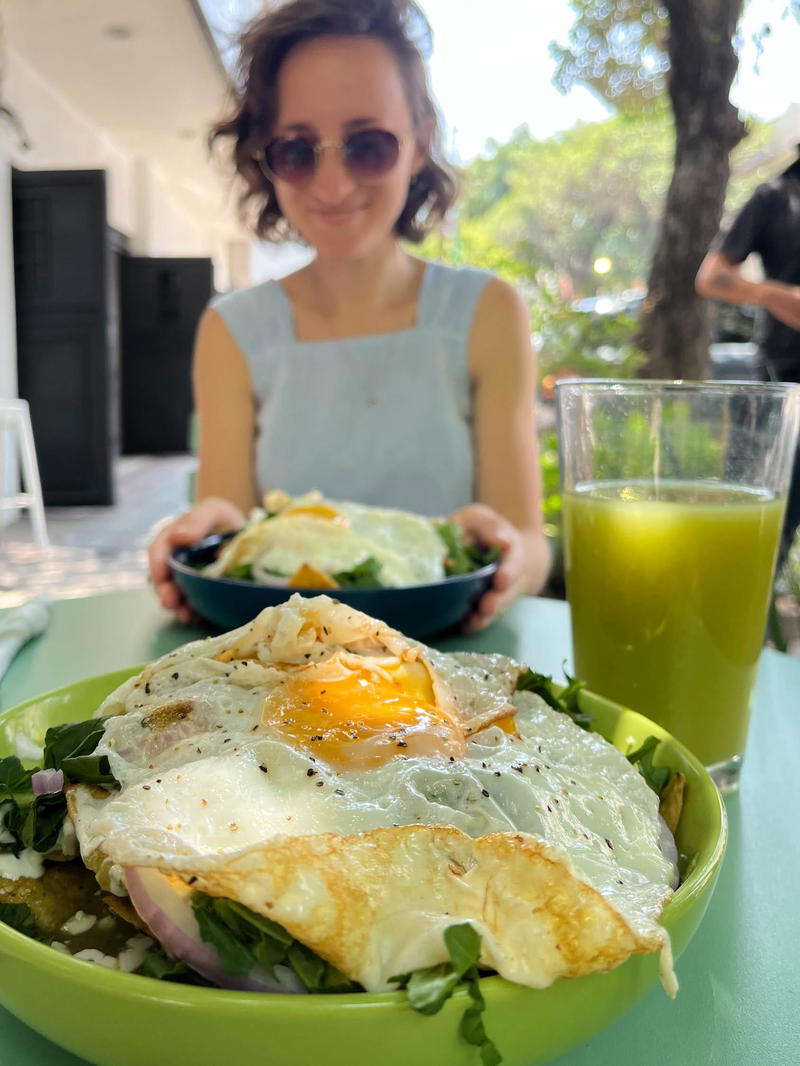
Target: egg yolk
[318, 510]
[365, 718]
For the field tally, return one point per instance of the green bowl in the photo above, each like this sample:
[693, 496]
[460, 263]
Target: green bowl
[117, 1019]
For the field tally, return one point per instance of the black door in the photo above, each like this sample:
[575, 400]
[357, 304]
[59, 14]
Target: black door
[161, 301]
[61, 279]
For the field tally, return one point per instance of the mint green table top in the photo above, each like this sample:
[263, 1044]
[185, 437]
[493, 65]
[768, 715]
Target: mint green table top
[738, 1004]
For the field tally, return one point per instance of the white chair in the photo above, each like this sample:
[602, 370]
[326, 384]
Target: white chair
[15, 419]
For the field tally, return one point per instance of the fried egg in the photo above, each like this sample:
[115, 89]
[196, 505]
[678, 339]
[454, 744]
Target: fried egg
[366, 791]
[335, 537]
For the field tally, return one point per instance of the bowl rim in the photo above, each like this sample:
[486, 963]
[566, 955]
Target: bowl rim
[177, 565]
[141, 988]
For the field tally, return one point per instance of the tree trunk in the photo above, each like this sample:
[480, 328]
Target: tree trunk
[675, 325]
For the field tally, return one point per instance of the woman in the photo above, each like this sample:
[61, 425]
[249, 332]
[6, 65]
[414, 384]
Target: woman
[367, 374]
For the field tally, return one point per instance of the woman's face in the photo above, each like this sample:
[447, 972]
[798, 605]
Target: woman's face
[327, 88]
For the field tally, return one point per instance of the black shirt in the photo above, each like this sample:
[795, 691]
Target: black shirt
[769, 224]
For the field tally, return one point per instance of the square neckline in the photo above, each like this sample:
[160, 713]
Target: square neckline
[419, 319]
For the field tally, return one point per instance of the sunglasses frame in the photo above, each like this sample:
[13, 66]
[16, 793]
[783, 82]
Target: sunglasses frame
[318, 148]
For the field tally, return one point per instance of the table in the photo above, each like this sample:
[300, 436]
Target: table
[740, 977]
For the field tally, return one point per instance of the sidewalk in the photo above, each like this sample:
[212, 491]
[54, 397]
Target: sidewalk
[95, 549]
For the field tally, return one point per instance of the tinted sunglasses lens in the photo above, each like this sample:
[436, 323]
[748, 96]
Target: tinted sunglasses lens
[292, 159]
[371, 153]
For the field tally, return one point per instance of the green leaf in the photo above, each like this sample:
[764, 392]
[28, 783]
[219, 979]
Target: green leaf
[464, 947]
[462, 556]
[428, 990]
[90, 769]
[162, 968]
[657, 777]
[242, 572]
[70, 747]
[566, 701]
[20, 917]
[243, 939]
[366, 575]
[235, 956]
[310, 968]
[33, 821]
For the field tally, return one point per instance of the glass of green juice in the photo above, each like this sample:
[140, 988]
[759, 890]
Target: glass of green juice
[673, 502]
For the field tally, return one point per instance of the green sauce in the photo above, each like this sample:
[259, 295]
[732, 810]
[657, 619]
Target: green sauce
[669, 591]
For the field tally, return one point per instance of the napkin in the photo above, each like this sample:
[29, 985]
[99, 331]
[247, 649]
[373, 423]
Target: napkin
[19, 624]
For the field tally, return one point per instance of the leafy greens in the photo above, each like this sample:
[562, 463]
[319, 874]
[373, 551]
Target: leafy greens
[565, 700]
[462, 556]
[35, 821]
[430, 988]
[244, 939]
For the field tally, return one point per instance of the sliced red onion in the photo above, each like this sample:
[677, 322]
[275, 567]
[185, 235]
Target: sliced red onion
[45, 782]
[169, 916]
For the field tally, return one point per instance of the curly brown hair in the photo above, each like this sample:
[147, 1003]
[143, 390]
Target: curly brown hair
[265, 44]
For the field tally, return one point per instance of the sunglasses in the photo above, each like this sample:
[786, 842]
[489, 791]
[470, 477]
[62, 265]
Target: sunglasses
[368, 155]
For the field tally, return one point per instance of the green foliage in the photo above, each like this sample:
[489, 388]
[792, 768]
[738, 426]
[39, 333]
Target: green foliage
[629, 449]
[581, 344]
[618, 49]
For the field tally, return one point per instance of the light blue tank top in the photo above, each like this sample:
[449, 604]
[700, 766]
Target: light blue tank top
[384, 419]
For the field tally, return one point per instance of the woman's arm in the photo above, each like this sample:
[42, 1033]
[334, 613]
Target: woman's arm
[508, 512]
[226, 486]
[223, 397]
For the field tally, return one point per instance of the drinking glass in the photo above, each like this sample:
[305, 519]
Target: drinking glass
[674, 496]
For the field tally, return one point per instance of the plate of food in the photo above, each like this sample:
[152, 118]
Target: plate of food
[313, 836]
[420, 575]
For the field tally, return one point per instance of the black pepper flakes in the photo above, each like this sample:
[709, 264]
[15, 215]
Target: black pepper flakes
[497, 773]
[485, 792]
[147, 688]
[146, 788]
[339, 791]
[610, 845]
[311, 773]
[320, 784]
[402, 744]
[263, 768]
[175, 676]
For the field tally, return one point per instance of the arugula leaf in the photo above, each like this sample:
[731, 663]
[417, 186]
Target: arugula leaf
[430, 988]
[565, 701]
[462, 556]
[70, 747]
[242, 572]
[161, 967]
[243, 938]
[20, 917]
[33, 821]
[657, 777]
[366, 575]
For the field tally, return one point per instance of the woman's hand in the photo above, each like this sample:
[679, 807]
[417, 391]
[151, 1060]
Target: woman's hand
[211, 515]
[491, 530]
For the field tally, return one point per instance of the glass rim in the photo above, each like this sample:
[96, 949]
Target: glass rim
[729, 386]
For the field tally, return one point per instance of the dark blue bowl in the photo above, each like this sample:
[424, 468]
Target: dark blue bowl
[416, 610]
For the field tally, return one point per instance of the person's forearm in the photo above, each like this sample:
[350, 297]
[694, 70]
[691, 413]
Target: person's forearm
[719, 281]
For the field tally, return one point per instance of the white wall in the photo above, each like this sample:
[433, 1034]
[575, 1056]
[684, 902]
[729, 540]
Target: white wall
[158, 219]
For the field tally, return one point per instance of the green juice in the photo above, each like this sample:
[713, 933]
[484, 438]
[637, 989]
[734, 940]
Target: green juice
[669, 588]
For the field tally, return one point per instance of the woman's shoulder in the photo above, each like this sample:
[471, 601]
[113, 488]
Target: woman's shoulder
[253, 313]
[244, 301]
[456, 294]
